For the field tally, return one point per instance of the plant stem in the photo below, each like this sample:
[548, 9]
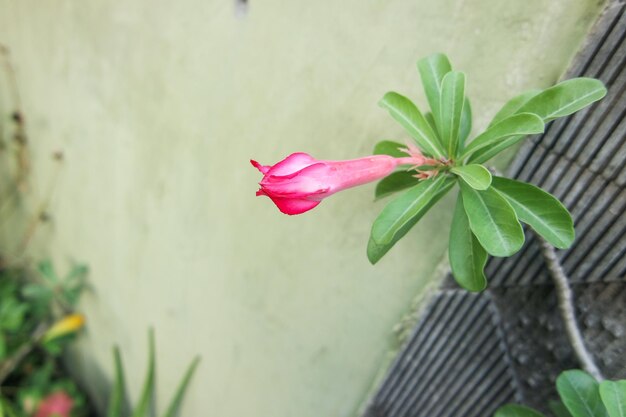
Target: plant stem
[565, 297]
[14, 360]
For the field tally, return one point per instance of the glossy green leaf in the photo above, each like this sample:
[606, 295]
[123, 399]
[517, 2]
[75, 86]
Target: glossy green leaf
[538, 209]
[395, 182]
[476, 176]
[466, 124]
[613, 395]
[432, 69]
[565, 98]
[467, 257]
[515, 410]
[451, 109]
[117, 398]
[408, 115]
[147, 393]
[493, 140]
[579, 392]
[375, 251]
[391, 148]
[513, 105]
[401, 210]
[559, 409]
[492, 220]
[172, 410]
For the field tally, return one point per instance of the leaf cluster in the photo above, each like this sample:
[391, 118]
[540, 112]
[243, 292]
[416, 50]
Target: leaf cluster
[581, 396]
[118, 404]
[489, 209]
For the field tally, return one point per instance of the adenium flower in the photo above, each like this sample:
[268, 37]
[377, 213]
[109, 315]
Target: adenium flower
[58, 404]
[299, 182]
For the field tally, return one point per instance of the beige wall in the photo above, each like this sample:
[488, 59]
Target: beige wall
[158, 105]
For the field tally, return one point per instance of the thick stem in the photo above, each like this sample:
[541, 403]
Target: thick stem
[565, 297]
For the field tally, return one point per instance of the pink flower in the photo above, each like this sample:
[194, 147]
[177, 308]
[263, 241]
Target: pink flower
[58, 404]
[299, 182]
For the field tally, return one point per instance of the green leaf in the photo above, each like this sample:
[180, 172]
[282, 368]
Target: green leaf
[47, 271]
[561, 100]
[580, 394]
[400, 211]
[375, 251]
[613, 394]
[493, 140]
[12, 314]
[37, 293]
[174, 406]
[388, 147]
[147, 394]
[539, 209]
[6, 409]
[395, 182]
[466, 124]
[431, 121]
[513, 105]
[408, 115]
[559, 409]
[432, 69]
[452, 100]
[476, 176]
[514, 410]
[493, 221]
[117, 398]
[467, 257]
[565, 98]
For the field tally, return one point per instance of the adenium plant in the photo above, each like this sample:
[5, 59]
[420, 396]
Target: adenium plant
[488, 209]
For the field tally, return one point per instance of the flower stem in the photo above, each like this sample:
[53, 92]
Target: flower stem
[565, 298]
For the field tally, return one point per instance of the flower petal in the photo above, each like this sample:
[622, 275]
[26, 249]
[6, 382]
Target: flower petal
[309, 181]
[293, 163]
[293, 206]
[263, 168]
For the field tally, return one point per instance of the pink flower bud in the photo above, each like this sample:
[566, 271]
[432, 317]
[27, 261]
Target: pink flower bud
[299, 182]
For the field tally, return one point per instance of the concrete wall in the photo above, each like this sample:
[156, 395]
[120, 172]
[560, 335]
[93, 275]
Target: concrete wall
[159, 105]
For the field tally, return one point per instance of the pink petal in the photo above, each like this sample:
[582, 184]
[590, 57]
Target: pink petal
[263, 168]
[293, 206]
[293, 163]
[311, 180]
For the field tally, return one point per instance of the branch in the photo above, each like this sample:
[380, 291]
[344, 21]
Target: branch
[565, 297]
[14, 360]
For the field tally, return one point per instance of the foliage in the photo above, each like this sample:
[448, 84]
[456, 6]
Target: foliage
[489, 208]
[581, 396]
[37, 321]
[117, 399]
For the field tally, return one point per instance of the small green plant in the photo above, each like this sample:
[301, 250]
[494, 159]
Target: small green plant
[37, 321]
[489, 208]
[581, 396]
[118, 400]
